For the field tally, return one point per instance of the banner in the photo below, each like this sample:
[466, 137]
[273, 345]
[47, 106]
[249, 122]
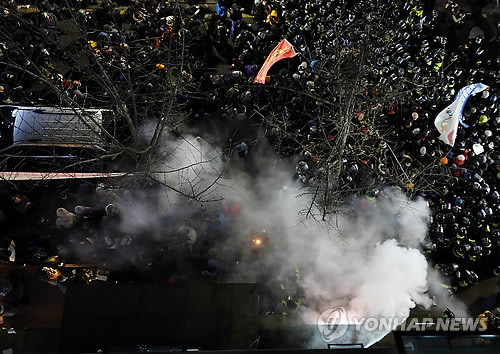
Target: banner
[282, 51]
[447, 121]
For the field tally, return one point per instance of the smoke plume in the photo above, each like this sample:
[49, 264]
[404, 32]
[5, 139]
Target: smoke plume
[365, 258]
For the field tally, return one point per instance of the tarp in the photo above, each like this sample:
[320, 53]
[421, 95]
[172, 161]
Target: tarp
[57, 125]
[282, 51]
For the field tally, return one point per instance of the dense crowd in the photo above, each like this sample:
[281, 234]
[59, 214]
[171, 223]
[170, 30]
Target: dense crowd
[424, 52]
[444, 50]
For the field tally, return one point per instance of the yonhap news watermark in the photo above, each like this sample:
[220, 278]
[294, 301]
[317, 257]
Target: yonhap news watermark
[333, 324]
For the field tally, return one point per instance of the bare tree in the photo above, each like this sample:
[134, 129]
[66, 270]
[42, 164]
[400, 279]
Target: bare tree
[337, 117]
[130, 65]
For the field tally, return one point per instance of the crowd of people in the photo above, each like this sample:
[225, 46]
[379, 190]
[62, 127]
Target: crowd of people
[426, 52]
[401, 71]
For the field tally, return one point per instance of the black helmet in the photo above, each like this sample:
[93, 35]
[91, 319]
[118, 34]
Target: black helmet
[466, 212]
[497, 271]
[482, 159]
[485, 241]
[456, 209]
[453, 228]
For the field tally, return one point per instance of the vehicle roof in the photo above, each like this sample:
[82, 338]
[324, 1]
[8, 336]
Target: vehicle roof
[57, 125]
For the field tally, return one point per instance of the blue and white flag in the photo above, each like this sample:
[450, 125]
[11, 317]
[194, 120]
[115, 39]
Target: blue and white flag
[447, 121]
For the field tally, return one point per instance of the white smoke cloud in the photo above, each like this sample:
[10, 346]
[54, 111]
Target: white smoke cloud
[366, 258]
[186, 165]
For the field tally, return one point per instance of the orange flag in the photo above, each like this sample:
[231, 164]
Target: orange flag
[282, 51]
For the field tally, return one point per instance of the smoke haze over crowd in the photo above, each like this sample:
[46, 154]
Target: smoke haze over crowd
[366, 258]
